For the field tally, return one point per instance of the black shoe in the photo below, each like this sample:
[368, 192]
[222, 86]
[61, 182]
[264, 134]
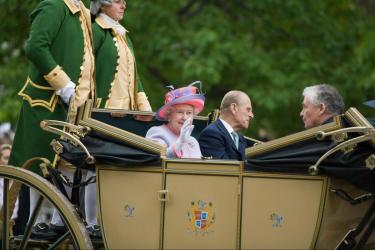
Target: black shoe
[58, 229]
[43, 231]
[94, 232]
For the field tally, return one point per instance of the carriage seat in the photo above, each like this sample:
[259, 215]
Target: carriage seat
[126, 121]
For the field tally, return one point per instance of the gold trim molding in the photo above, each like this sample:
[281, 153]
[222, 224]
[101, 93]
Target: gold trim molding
[50, 105]
[358, 120]
[294, 138]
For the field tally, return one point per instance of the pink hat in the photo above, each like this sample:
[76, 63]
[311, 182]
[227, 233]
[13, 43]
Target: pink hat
[186, 95]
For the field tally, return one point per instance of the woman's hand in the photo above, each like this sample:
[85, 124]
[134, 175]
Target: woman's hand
[185, 134]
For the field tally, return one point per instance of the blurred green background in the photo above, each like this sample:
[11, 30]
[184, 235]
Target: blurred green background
[270, 49]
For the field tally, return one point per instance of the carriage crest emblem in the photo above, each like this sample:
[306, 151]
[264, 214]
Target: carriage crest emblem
[277, 220]
[201, 217]
[129, 210]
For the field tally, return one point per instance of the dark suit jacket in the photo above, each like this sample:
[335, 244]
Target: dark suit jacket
[215, 141]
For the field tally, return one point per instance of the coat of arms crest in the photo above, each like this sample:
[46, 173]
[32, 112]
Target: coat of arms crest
[201, 217]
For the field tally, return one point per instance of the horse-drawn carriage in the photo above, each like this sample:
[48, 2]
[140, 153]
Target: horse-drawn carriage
[302, 191]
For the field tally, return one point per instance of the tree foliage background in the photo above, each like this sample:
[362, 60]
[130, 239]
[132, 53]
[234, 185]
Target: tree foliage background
[270, 49]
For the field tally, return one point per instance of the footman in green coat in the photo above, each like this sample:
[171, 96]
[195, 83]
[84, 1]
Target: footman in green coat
[60, 76]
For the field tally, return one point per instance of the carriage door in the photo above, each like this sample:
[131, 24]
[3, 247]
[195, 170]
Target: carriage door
[129, 207]
[202, 207]
[281, 211]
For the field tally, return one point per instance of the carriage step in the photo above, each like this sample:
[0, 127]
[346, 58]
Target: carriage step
[36, 244]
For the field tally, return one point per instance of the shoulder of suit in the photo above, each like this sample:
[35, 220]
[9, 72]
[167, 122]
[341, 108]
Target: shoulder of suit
[97, 29]
[48, 4]
[209, 127]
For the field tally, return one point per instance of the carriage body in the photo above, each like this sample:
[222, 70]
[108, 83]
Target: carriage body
[195, 204]
[147, 201]
[217, 204]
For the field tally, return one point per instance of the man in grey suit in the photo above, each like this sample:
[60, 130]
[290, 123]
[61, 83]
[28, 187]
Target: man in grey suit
[221, 139]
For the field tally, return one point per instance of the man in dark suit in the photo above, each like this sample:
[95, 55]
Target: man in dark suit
[320, 104]
[220, 139]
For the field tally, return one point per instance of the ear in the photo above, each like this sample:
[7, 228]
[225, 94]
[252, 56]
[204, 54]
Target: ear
[233, 108]
[322, 108]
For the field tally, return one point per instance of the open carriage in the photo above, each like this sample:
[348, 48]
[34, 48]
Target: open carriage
[302, 191]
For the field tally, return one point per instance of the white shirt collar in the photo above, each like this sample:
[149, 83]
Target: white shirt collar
[227, 126]
[116, 26]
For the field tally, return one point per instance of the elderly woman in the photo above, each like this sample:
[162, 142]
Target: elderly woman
[117, 83]
[178, 111]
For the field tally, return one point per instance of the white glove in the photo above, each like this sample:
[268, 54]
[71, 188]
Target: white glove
[185, 133]
[66, 92]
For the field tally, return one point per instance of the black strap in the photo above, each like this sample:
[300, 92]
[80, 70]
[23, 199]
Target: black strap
[75, 189]
[349, 241]
[56, 177]
[352, 200]
[64, 180]
[369, 230]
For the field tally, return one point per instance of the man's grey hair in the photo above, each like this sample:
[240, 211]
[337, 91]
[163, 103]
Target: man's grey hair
[232, 96]
[327, 94]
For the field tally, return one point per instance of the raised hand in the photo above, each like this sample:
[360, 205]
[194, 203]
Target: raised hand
[185, 134]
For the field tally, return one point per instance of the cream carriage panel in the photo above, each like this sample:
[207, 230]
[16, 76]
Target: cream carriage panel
[280, 211]
[129, 208]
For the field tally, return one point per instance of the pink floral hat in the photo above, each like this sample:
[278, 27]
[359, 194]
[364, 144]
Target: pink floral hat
[190, 95]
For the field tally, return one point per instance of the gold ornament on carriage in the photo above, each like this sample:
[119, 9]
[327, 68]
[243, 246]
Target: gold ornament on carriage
[201, 217]
[370, 162]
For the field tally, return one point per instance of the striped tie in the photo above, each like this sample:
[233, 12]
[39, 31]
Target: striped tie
[235, 138]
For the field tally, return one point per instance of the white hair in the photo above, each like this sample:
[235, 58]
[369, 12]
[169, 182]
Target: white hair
[96, 4]
[327, 94]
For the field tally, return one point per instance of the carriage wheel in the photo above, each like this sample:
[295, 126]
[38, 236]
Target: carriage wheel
[76, 234]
